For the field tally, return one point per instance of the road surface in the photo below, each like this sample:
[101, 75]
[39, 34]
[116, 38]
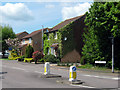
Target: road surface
[27, 75]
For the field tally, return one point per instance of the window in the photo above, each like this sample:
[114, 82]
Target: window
[47, 30]
[52, 50]
[55, 35]
[29, 40]
[23, 41]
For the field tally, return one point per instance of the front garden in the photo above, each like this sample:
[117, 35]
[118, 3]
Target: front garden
[31, 56]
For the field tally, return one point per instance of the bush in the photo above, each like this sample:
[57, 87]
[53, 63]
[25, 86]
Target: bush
[28, 60]
[22, 58]
[50, 58]
[13, 55]
[29, 51]
[109, 64]
[41, 60]
[37, 55]
[82, 61]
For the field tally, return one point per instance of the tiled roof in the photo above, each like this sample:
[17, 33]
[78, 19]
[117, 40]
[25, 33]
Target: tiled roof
[21, 33]
[62, 24]
[33, 33]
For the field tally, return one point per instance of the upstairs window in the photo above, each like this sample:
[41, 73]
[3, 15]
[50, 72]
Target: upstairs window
[55, 35]
[47, 30]
[29, 40]
[23, 41]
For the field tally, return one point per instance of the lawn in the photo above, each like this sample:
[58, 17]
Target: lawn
[89, 67]
[4, 59]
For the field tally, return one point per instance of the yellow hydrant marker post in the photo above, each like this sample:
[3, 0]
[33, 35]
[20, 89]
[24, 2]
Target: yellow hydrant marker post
[72, 73]
[47, 68]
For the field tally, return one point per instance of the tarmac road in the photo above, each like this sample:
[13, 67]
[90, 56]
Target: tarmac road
[27, 75]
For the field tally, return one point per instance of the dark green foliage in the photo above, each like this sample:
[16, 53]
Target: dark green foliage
[50, 58]
[22, 58]
[102, 21]
[29, 51]
[82, 60]
[68, 44]
[5, 33]
[52, 40]
[41, 60]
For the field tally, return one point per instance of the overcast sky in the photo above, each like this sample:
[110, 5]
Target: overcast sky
[30, 16]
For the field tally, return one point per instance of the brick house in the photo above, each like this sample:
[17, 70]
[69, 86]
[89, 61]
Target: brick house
[34, 39]
[78, 29]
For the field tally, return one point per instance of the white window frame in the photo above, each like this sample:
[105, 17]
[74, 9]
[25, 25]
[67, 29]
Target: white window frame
[55, 35]
[52, 50]
[30, 40]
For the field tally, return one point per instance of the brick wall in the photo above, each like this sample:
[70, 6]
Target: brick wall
[37, 41]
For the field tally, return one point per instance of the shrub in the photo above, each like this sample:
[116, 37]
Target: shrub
[50, 58]
[22, 58]
[37, 55]
[13, 55]
[58, 64]
[28, 60]
[109, 64]
[82, 61]
[29, 51]
[41, 60]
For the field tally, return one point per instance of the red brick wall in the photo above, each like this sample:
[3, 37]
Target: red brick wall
[37, 41]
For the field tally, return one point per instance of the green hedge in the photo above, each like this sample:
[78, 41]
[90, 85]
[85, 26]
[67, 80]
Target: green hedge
[50, 58]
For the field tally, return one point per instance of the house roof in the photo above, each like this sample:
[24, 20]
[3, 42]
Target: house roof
[33, 33]
[21, 33]
[67, 21]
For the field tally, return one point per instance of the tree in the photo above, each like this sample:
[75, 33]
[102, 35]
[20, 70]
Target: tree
[14, 43]
[102, 21]
[29, 51]
[6, 32]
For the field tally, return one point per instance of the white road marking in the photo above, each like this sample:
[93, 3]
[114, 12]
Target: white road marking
[18, 68]
[102, 77]
[113, 78]
[116, 78]
[82, 86]
[38, 72]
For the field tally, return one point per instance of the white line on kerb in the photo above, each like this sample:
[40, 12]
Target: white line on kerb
[82, 86]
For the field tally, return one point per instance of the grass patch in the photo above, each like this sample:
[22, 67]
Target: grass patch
[91, 67]
[4, 59]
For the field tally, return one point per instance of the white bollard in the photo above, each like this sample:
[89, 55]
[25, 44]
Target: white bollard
[47, 68]
[72, 73]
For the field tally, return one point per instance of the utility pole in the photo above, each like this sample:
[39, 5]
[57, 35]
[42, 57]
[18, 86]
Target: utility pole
[112, 54]
[112, 38]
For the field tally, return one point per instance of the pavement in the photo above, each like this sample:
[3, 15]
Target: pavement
[28, 75]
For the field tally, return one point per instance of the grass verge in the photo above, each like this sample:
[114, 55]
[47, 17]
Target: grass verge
[4, 59]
